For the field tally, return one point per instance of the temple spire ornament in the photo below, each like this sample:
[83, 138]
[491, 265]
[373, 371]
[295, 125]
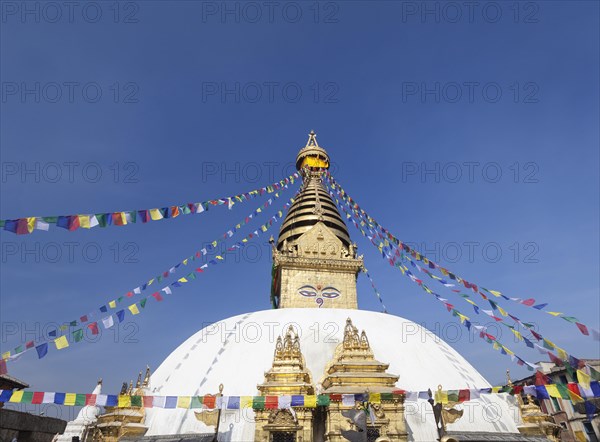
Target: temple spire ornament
[314, 261]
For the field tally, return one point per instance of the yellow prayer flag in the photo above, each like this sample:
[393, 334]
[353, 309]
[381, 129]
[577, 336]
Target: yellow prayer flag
[584, 379]
[133, 308]
[441, 396]
[112, 304]
[496, 345]
[575, 398]
[214, 243]
[246, 402]
[554, 313]
[553, 391]
[184, 401]
[185, 261]
[580, 436]
[502, 311]
[61, 342]
[310, 401]
[510, 352]
[182, 280]
[495, 293]
[6, 355]
[517, 334]
[17, 396]
[375, 398]
[30, 224]
[84, 221]
[155, 214]
[496, 389]
[124, 400]
[245, 240]
[562, 354]
[151, 281]
[550, 343]
[263, 228]
[219, 257]
[70, 399]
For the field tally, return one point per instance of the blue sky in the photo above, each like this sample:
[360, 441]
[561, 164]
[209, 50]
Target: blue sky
[502, 110]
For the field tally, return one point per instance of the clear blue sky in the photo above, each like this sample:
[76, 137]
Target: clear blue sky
[367, 73]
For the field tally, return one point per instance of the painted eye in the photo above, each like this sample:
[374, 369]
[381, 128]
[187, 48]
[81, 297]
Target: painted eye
[330, 292]
[308, 293]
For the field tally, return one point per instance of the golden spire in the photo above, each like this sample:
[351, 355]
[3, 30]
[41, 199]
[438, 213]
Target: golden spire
[312, 155]
[146, 382]
[138, 384]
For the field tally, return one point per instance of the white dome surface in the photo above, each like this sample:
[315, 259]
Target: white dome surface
[239, 350]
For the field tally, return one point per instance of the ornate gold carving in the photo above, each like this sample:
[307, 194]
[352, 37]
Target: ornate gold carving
[118, 422]
[354, 369]
[288, 375]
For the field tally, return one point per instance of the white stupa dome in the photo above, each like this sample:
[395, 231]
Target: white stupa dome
[239, 350]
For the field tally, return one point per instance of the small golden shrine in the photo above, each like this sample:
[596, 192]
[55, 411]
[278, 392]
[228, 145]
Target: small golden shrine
[118, 422]
[288, 376]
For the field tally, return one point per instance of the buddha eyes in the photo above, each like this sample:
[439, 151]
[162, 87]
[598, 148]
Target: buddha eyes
[312, 292]
[330, 292]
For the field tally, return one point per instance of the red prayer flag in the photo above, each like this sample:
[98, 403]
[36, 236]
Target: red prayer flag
[582, 328]
[90, 399]
[537, 335]
[464, 395]
[119, 219]
[271, 402]
[93, 327]
[517, 389]
[148, 401]
[73, 222]
[84, 318]
[3, 369]
[574, 388]
[157, 296]
[529, 302]
[129, 294]
[29, 344]
[22, 228]
[541, 378]
[335, 397]
[38, 397]
[209, 401]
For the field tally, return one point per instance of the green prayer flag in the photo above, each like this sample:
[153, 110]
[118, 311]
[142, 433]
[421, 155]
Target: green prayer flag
[258, 402]
[595, 374]
[19, 349]
[191, 276]
[387, 396]
[133, 216]
[78, 335]
[27, 397]
[73, 323]
[323, 400]
[136, 401]
[102, 219]
[143, 302]
[2, 223]
[79, 400]
[50, 219]
[196, 402]
[563, 390]
[453, 395]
